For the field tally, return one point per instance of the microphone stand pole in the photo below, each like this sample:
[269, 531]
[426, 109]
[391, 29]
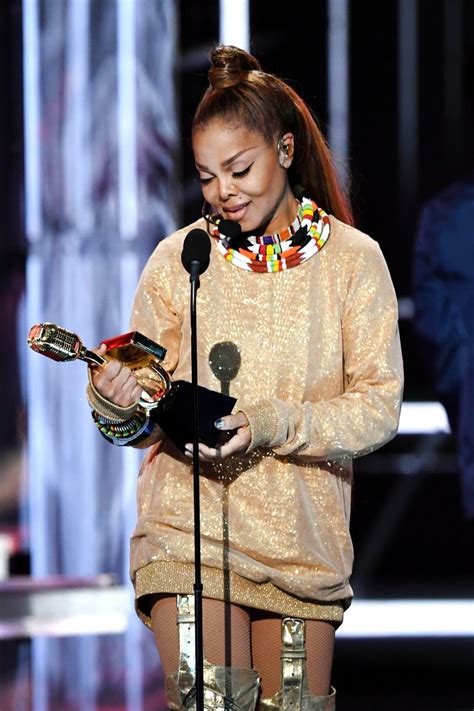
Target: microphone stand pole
[194, 279]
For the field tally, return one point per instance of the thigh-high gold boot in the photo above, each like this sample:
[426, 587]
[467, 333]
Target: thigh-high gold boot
[225, 688]
[294, 693]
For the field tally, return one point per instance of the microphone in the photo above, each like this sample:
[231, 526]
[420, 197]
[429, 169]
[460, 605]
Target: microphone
[196, 252]
[230, 228]
[59, 344]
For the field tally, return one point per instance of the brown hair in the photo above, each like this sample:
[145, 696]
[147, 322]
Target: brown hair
[239, 92]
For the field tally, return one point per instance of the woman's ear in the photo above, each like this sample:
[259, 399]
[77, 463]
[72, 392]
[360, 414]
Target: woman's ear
[286, 149]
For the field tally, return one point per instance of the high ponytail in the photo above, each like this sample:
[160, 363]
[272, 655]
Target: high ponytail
[230, 66]
[313, 165]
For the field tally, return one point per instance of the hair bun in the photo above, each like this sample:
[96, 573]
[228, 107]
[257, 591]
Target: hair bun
[230, 66]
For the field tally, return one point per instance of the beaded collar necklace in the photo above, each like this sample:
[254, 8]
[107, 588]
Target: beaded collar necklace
[306, 236]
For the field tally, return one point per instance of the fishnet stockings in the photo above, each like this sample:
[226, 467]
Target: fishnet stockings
[245, 638]
[266, 644]
[226, 634]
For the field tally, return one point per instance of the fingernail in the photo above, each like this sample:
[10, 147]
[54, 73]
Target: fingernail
[189, 448]
[219, 424]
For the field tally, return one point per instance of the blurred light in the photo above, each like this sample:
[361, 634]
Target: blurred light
[127, 120]
[76, 163]
[408, 99]
[234, 23]
[31, 102]
[406, 308]
[423, 418]
[338, 85]
[409, 618]
[127, 185]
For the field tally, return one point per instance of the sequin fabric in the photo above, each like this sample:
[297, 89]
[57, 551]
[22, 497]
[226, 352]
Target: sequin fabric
[320, 377]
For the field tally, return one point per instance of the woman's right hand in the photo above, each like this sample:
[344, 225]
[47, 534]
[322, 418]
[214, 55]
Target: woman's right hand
[115, 382]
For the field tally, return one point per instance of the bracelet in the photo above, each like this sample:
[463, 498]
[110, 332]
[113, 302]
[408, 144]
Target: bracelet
[127, 432]
[104, 407]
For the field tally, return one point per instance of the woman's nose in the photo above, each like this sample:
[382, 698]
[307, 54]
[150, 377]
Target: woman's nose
[226, 188]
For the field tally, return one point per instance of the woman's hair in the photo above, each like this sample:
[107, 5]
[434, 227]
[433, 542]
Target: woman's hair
[240, 93]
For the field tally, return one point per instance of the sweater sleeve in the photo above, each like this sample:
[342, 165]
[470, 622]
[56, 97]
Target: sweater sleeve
[366, 415]
[154, 314]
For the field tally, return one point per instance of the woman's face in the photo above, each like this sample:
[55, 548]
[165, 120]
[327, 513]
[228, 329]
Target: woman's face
[242, 177]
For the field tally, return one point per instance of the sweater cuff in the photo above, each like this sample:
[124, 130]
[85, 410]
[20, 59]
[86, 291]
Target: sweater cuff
[263, 421]
[105, 407]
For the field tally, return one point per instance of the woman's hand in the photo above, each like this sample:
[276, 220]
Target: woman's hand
[115, 382]
[237, 444]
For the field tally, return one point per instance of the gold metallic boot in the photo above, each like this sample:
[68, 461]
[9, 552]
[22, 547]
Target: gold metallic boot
[225, 688]
[294, 694]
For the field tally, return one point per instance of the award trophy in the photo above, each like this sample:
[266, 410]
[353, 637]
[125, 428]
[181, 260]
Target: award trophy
[168, 402]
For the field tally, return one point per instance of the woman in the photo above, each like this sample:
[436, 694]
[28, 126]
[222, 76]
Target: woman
[307, 303]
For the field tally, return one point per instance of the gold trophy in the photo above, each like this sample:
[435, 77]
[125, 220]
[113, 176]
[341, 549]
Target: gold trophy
[169, 404]
[132, 349]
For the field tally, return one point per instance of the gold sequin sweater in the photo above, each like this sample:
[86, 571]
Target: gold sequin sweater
[320, 380]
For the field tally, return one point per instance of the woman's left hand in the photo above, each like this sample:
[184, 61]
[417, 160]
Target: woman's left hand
[237, 444]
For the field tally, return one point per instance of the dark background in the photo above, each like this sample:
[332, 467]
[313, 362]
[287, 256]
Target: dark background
[410, 534]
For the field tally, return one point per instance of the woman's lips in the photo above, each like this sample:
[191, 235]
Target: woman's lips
[236, 213]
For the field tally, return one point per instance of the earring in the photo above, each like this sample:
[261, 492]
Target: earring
[209, 214]
[282, 152]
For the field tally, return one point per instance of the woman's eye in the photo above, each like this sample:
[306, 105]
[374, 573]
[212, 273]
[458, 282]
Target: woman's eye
[204, 181]
[241, 173]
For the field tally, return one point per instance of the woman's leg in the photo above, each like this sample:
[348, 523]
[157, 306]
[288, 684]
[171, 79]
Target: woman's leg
[226, 633]
[266, 645]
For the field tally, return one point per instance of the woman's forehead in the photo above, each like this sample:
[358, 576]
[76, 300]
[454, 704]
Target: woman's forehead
[218, 137]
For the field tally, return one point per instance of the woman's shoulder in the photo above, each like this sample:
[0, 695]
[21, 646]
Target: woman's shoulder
[357, 257]
[172, 244]
[347, 239]
[167, 253]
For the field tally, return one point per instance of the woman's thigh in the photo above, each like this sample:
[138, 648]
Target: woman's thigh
[226, 633]
[266, 646]
[233, 639]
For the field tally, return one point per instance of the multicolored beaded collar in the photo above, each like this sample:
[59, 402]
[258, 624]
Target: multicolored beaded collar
[306, 236]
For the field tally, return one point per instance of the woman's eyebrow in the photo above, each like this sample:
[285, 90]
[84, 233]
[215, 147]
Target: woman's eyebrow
[228, 161]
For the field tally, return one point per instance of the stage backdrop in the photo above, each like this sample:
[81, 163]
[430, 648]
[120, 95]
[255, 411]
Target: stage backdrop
[100, 136]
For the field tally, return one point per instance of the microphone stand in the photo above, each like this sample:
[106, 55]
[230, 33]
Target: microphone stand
[194, 280]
